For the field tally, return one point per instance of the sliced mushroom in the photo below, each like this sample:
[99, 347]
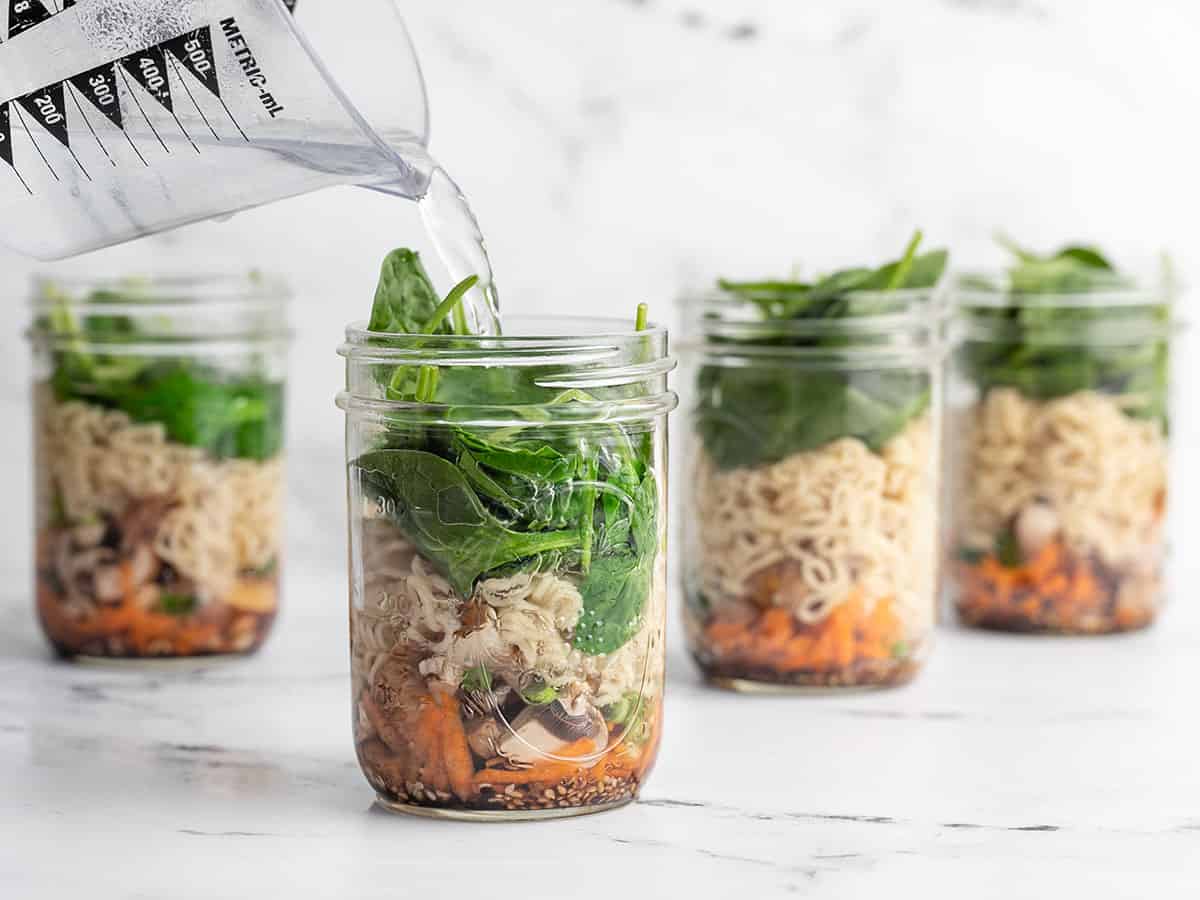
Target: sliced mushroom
[541, 730]
[140, 521]
[397, 684]
[108, 584]
[780, 584]
[1036, 526]
[79, 572]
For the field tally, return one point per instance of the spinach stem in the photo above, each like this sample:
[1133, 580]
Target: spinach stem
[906, 262]
[427, 379]
[452, 302]
[427, 376]
[587, 535]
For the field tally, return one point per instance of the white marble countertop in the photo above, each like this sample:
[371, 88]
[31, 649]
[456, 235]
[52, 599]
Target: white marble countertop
[1015, 767]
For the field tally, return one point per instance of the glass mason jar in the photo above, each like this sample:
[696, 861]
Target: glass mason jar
[507, 565]
[810, 542]
[1059, 412]
[158, 416]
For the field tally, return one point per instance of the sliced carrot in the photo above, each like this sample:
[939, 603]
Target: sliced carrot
[546, 770]
[427, 745]
[777, 640]
[456, 752]
[799, 653]
[776, 625]
[1054, 588]
[841, 630]
[1044, 563]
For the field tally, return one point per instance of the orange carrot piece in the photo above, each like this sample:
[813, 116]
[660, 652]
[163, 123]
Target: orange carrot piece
[841, 627]
[1044, 563]
[456, 752]
[545, 770]
[799, 653]
[426, 743]
[775, 625]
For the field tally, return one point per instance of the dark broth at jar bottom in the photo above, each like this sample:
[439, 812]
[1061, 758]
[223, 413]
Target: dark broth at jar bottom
[418, 744]
[852, 647]
[133, 629]
[1057, 591]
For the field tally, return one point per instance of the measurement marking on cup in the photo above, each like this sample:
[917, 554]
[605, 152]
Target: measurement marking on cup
[138, 104]
[21, 119]
[149, 69]
[47, 106]
[21, 178]
[192, 97]
[88, 122]
[6, 150]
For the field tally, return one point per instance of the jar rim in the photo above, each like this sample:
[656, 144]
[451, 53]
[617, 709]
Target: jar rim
[1145, 310]
[987, 288]
[910, 329]
[166, 311]
[572, 332]
[573, 356]
[571, 341]
[162, 289]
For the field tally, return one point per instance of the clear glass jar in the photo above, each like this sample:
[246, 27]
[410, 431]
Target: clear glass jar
[158, 417]
[1059, 412]
[810, 546]
[507, 565]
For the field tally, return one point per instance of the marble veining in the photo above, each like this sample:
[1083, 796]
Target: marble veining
[1013, 767]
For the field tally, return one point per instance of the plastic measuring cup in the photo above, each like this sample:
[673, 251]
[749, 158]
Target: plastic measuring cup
[121, 118]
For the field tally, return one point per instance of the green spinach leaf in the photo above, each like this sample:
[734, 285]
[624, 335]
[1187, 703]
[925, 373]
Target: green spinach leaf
[405, 299]
[581, 502]
[762, 412]
[614, 596]
[225, 414]
[1044, 346]
[433, 503]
